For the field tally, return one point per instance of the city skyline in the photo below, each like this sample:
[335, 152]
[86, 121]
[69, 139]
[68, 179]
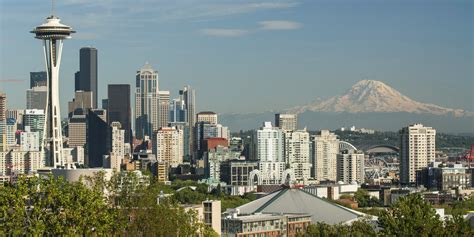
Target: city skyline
[319, 38]
[180, 140]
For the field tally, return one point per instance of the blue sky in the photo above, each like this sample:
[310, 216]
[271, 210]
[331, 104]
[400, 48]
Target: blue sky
[249, 56]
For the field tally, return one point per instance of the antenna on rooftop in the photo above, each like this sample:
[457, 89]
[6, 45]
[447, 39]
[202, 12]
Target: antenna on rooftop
[53, 7]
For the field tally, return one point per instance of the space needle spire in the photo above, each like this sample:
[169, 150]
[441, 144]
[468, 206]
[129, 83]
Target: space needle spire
[52, 33]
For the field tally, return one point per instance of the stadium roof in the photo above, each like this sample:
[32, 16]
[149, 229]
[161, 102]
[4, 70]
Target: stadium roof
[287, 201]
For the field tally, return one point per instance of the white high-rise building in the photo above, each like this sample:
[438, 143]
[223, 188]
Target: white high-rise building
[30, 141]
[117, 147]
[118, 139]
[10, 132]
[417, 150]
[146, 102]
[325, 151]
[351, 166]
[222, 131]
[287, 122]
[15, 162]
[206, 116]
[4, 165]
[168, 146]
[297, 153]
[3, 122]
[269, 144]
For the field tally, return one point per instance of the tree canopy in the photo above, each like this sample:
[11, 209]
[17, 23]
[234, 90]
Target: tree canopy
[409, 216]
[121, 206]
[365, 200]
[412, 216]
[38, 206]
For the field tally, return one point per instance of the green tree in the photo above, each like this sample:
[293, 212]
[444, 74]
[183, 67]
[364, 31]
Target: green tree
[40, 206]
[410, 216]
[363, 228]
[359, 228]
[364, 199]
[458, 226]
[150, 212]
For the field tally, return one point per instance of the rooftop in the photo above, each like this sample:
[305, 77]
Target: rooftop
[52, 28]
[299, 201]
[207, 112]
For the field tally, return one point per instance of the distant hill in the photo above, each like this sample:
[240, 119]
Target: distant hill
[370, 104]
[382, 121]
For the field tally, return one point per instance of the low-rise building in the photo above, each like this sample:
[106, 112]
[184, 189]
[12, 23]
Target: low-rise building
[291, 201]
[17, 162]
[237, 172]
[439, 178]
[209, 213]
[265, 224]
[331, 191]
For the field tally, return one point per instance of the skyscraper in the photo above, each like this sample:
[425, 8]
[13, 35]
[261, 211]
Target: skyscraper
[350, 166]
[297, 153]
[34, 120]
[188, 96]
[52, 33]
[205, 130]
[102, 113]
[36, 97]
[16, 114]
[116, 145]
[38, 79]
[96, 146]
[3, 106]
[86, 80]
[287, 122]
[10, 131]
[269, 144]
[163, 108]
[77, 130]
[206, 116]
[146, 102]
[29, 141]
[168, 146]
[417, 150]
[119, 108]
[83, 100]
[325, 151]
[3, 121]
[177, 111]
[117, 141]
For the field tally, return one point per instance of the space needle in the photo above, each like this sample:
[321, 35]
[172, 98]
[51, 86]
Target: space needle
[52, 33]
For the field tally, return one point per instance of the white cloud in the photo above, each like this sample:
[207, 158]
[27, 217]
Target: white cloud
[264, 25]
[225, 32]
[215, 10]
[279, 25]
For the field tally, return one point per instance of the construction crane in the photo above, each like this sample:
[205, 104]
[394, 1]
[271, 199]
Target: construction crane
[2, 81]
[470, 156]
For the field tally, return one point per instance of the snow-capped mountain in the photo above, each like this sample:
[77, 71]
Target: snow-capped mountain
[375, 96]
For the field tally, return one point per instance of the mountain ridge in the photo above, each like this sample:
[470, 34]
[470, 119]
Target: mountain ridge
[368, 96]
